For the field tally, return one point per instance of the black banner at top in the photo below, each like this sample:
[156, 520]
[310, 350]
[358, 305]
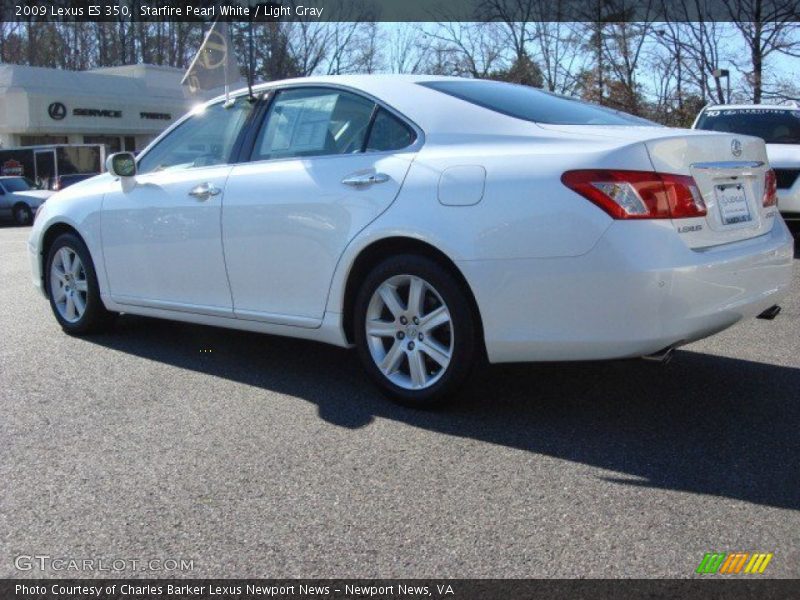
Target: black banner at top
[401, 10]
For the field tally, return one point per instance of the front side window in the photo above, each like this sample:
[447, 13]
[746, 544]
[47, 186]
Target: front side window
[773, 125]
[313, 122]
[531, 104]
[204, 139]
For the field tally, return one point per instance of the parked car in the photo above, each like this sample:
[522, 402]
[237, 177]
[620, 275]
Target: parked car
[19, 199]
[45, 163]
[427, 221]
[779, 127]
[64, 181]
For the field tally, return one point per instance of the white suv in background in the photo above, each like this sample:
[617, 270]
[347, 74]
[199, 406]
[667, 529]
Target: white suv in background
[779, 127]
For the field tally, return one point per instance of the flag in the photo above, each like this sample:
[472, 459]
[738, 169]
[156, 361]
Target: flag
[215, 64]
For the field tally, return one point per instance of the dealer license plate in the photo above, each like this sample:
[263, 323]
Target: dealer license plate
[732, 202]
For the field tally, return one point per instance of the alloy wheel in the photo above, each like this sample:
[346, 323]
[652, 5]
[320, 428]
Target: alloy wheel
[68, 284]
[409, 332]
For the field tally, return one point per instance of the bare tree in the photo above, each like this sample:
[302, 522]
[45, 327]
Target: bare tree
[518, 18]
[477, 48]
[767, 27]
[623, 45]
[557, 49]
[699, 45]
[409, 45]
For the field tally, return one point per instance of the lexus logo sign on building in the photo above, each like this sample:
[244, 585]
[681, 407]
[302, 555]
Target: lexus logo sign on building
[123, 107]
[57, 111]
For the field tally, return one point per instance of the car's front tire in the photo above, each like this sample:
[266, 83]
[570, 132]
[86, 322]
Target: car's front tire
[22, 215]
[72, 287]
[415, 332]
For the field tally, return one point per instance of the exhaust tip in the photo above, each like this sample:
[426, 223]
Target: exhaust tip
[662, 356]
[770, 313]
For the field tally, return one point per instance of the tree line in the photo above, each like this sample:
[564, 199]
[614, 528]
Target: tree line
[665, 71]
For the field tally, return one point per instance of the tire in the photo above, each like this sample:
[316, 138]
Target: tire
[421, 356]
[70, 287]
[22, 215]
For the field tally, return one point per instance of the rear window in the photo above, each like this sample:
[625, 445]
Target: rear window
[16, 184]
[531, 104]
[773, 125]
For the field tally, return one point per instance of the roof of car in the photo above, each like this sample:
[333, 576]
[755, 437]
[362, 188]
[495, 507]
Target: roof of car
[368, 83]
[359, 80]
[428, 109]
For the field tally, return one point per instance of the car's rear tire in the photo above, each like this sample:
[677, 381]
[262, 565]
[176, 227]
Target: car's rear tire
[22, 214]
[414, 330]
[72, 287]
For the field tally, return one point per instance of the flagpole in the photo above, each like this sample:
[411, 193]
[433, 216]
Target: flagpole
[227, 86]
[250, 58]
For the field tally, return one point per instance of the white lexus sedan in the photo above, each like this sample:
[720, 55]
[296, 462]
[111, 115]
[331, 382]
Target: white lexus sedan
[429, 222]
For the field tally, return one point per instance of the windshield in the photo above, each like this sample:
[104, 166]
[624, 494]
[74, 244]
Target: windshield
[531, 104]
[16, 184]
[773, 125]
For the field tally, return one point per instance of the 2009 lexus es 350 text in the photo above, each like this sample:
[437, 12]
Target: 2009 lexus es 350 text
[427, 221]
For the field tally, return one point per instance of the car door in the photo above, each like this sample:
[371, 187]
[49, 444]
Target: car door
[323, 166]
[161, 237]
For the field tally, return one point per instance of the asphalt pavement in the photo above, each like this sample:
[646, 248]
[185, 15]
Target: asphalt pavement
[253, 455]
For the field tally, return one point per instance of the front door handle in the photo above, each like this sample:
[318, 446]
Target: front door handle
[204, 191]
[364, 179]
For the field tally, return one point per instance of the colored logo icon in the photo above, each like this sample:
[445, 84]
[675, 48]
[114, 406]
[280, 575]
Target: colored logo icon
[733, 563]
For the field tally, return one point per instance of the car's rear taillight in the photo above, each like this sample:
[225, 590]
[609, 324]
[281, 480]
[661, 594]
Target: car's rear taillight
[638, 194]
[770, 189]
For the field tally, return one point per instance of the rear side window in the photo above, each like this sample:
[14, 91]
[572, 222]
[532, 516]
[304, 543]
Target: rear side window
[531, 104]
[389, 133]
[773, 125]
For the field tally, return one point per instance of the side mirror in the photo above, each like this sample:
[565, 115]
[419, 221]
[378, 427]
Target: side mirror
[121, 164]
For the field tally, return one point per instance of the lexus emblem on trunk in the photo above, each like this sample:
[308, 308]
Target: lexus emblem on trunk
[736, 147]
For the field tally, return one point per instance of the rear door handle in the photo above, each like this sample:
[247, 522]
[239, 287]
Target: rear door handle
[364, 179]
[204, 191]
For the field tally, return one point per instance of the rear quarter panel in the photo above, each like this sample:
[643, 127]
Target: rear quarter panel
[524, 212]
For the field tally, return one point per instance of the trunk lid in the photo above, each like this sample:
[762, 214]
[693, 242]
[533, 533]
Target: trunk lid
[729, 170]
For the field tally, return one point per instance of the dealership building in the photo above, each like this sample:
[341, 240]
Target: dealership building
[122, 107]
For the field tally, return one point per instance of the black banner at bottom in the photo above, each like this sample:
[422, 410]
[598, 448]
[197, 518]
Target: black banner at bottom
[394, 589]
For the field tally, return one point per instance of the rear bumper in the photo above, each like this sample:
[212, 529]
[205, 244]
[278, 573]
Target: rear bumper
[639, 290]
